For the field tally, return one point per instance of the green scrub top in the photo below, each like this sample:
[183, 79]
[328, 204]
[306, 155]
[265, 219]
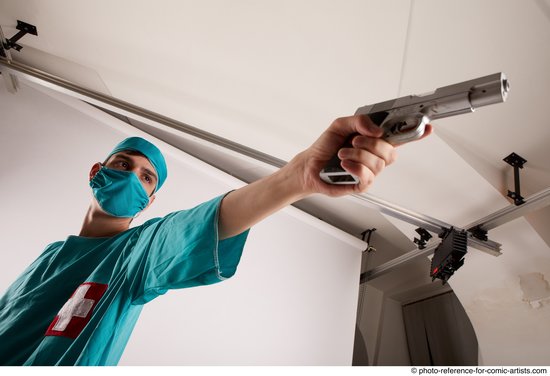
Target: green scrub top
[78, 303]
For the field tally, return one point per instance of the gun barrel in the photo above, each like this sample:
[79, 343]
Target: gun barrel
[467, 96]
[448, 100]
[490, 92]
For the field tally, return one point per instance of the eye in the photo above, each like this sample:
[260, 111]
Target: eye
[122, 164]
[147, 178]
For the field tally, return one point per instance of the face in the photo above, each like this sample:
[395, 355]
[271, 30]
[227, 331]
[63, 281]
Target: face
[139, 165]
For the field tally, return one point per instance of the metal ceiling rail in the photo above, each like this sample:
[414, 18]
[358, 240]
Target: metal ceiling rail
[385, 207]
[537, 201]
[127, 109]
[498, 218]
[398, 261]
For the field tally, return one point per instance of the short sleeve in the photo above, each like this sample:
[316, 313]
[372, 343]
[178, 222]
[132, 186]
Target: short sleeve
[182, 250]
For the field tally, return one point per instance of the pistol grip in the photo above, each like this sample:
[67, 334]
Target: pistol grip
[333, 173]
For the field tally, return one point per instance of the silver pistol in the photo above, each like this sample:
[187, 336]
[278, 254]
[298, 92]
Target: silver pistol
[404, 119]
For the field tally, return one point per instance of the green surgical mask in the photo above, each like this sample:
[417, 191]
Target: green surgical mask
[119, 193]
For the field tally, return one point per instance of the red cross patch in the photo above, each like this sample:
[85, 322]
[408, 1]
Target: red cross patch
[77, 311]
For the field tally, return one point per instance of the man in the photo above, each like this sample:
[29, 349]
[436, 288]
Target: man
[77, 304]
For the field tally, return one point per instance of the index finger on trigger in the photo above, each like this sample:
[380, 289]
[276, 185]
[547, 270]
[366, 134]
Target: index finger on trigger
[366, 127]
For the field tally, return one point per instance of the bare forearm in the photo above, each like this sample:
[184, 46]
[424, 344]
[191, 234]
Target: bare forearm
[243, 208]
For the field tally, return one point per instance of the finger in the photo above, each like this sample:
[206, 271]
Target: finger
[377, 146]
[427, 131]
[366, 127]
[365, 174]
[363, 157]
[361, 124]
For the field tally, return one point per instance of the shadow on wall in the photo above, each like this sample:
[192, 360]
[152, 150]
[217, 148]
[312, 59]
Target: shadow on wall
[439, 332]
[360, 356]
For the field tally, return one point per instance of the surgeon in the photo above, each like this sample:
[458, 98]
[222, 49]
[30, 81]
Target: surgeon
[79, 301]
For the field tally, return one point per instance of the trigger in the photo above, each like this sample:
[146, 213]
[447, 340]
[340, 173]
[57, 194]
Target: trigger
[403, 126]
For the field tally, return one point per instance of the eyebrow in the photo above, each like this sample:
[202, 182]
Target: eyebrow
[144, 169]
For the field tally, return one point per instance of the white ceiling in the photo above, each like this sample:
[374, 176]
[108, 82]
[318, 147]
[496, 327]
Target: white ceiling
[273, 75]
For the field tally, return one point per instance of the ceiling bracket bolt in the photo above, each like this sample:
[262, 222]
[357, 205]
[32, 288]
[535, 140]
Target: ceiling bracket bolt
[516, 162]
[424, 237]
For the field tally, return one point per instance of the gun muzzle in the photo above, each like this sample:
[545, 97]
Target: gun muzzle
[494, 91]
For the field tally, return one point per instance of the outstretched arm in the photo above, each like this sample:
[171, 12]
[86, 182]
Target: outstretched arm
[243, 208]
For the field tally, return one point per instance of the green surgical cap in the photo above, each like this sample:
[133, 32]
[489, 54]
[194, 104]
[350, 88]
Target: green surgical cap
[152, 153]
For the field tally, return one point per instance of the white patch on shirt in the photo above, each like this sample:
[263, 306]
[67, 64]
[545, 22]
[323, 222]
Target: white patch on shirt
[76, 306]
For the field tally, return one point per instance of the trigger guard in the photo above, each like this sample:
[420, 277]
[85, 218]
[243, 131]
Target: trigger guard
[396, 137]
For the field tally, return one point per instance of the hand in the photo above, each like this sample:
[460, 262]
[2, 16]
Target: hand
[368, 157]
[246, 206]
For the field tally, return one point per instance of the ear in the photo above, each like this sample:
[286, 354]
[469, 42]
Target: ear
[95, 169]
[151, 199]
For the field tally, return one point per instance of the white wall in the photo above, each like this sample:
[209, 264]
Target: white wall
[383, 329]
[393, 349]
[371, 317]
[292, 301]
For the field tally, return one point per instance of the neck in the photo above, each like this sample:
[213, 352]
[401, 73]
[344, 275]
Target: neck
[98, 224]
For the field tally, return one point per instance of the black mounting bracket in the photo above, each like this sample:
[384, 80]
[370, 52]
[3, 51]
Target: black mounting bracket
[479, 233]
[516, 162]
[424, 237]
[24, 28]
[367, 234]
